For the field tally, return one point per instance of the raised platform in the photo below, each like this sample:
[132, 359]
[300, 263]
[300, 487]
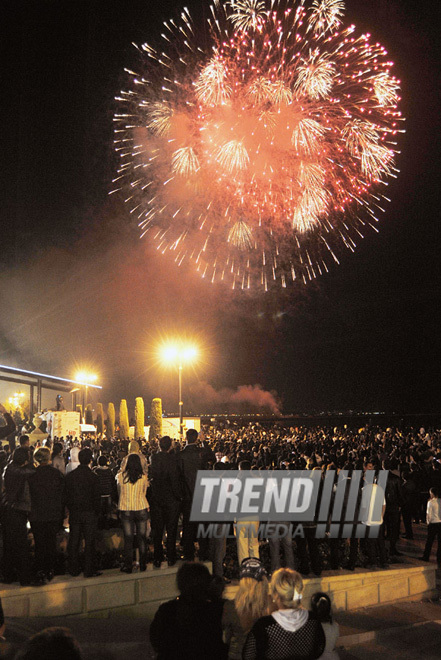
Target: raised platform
[140, 594]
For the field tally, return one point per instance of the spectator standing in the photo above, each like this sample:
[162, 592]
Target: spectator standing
[58, 461]
[133, 448]
[165, 501]
[247, 531]
[218, 544]
[433, 519]
[133, 508]
[83, 501]
[409, 502]
[16, 556]
[10, 424]
[46, 487]
[74, 458]
[108, 490]
[394, 502]
[189, 463]
[374, 547]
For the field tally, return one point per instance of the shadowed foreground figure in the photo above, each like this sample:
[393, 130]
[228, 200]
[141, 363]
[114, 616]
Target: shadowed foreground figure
[51, 644]
[189, 627]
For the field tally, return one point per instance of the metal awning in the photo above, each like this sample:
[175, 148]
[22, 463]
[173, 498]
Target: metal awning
[40, 381]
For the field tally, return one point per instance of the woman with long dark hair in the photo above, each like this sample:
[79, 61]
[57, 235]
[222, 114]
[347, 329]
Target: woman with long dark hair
[133, 507]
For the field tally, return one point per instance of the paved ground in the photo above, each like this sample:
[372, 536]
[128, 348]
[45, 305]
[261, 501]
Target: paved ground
[402, 631]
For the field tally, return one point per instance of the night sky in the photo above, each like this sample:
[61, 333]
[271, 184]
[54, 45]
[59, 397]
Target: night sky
[78, 287]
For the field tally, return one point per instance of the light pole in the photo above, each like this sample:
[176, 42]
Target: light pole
[85, 379]
[181, 403]
[178, 353]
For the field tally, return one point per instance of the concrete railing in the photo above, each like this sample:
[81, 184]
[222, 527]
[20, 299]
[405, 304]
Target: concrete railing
[140, 594]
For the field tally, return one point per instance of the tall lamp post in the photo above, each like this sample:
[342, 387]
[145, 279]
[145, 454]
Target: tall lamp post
[179, 353]
[85, 379]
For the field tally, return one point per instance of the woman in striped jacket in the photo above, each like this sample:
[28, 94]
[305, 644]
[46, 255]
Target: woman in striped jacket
[133, 508]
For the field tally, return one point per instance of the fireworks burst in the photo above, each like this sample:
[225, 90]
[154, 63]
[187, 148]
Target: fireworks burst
[258, 157]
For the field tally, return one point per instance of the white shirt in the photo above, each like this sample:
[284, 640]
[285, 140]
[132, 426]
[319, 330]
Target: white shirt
[433, 511]
[373, 492]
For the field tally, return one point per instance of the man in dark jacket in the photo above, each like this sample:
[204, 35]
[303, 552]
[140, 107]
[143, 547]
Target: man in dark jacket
[189, 463]
[46, 487]
[108, 491]
[16, 557]
[394, 502]
[10, 424]
[165, 500]
[83, 500]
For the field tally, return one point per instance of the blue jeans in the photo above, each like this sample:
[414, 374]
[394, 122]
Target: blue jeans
[132, 520]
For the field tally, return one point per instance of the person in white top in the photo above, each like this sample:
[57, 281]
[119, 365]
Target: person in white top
[371, 515]
[433, 519]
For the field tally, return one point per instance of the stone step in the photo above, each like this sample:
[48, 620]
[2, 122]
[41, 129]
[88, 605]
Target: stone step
[140, 594]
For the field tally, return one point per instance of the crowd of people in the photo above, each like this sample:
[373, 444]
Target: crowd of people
[146, 489]
[265, 619]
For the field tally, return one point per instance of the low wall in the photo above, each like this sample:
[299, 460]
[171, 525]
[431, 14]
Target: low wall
[140, 594]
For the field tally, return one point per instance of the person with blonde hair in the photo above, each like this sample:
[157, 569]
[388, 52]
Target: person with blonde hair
[250, 603]
[290, 632]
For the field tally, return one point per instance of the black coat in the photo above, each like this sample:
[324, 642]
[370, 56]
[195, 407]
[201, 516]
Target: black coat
[82, 493]
[394, 494]
[9, 428]
[46, 486]
[188, 630]
[16, 488]
[189, 463]
[164, 477]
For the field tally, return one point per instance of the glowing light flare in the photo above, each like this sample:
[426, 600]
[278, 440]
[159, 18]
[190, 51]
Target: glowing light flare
[177, 352]
[85, 378]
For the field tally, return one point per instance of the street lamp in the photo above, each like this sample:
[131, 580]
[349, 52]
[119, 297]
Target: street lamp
[179, 353]
[85, 379]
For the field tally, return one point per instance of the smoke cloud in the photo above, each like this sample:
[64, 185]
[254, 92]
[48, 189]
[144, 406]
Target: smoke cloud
[244, 397]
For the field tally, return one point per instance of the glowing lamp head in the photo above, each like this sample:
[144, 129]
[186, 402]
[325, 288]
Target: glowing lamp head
[85, 377]
[169, 353]
[178, 353]
[189, 353]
